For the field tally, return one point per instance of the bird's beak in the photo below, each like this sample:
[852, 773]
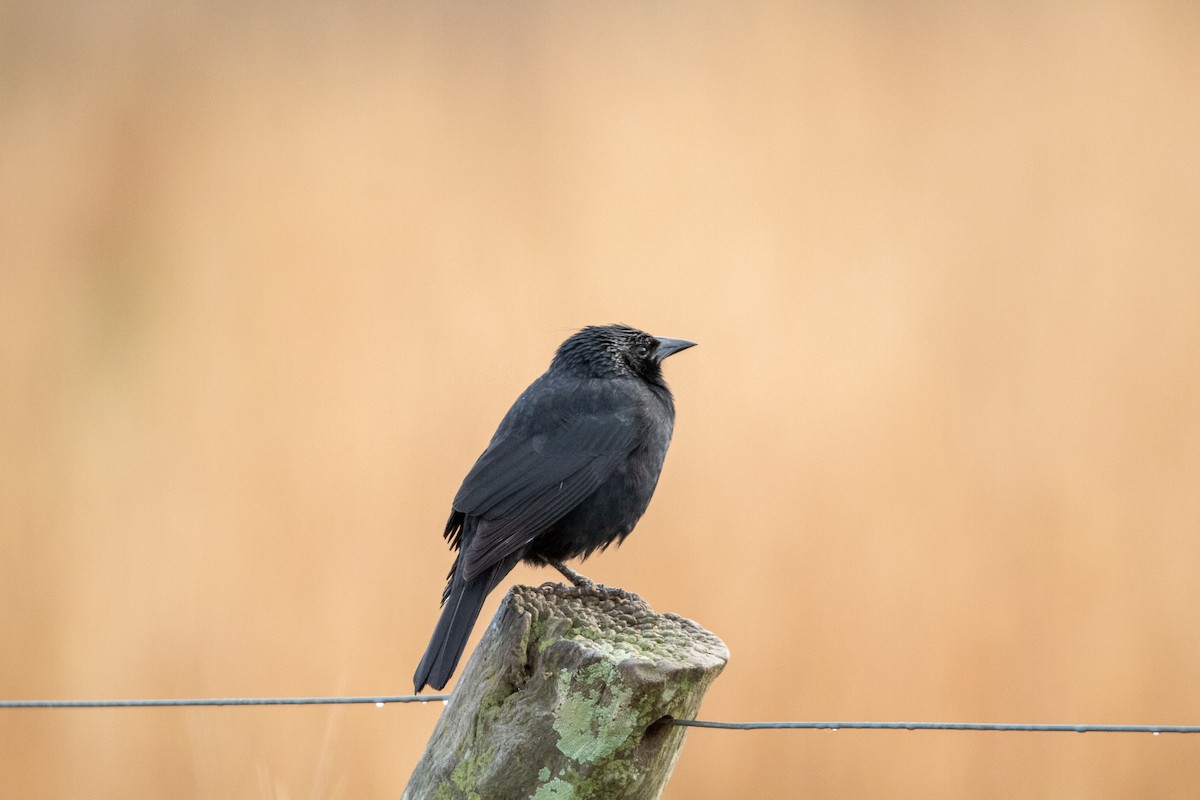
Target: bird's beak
[667, 347]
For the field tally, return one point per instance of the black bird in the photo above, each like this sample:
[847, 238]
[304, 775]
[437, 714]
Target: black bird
[571, 469]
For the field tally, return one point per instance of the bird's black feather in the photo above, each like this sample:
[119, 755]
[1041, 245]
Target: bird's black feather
[570, 469]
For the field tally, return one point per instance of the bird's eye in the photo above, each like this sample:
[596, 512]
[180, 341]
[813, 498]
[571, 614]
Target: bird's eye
[643, 350]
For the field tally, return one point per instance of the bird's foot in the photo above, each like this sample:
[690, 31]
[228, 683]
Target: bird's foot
[580, 581]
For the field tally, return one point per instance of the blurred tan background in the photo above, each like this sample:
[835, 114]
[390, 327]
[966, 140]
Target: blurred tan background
[273, 273]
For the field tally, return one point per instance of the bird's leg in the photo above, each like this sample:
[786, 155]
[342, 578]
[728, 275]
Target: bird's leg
[574, 577]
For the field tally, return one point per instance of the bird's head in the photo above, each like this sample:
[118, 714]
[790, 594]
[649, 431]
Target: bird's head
[604, 351]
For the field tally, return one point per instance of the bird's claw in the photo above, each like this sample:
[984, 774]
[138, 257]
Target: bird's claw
[580, 581]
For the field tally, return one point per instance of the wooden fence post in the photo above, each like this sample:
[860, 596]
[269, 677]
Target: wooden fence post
[570, 694]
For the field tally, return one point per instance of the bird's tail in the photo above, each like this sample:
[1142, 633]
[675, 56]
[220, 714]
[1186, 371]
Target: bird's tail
[461, 607]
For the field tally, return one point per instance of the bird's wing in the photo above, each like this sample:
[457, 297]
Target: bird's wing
[555, 448]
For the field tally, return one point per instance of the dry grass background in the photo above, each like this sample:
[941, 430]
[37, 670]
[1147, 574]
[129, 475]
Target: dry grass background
[272, 273]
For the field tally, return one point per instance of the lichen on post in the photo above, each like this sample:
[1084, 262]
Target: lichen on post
[570, 694]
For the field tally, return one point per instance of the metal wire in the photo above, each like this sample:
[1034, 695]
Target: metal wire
[943, 726]
[382, 700]
[227, 701]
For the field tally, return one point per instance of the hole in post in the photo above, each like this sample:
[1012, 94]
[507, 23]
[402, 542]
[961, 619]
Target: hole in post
[655, 735]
